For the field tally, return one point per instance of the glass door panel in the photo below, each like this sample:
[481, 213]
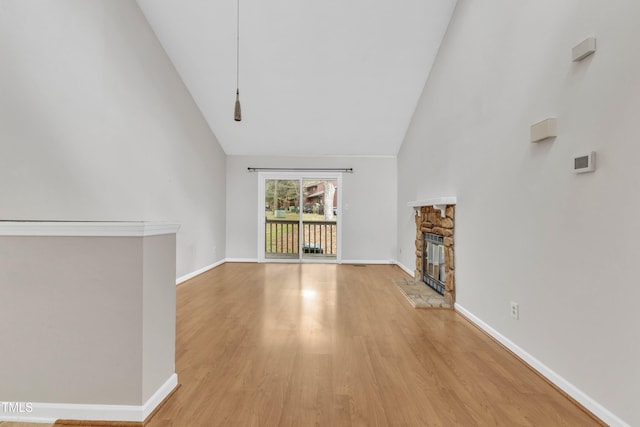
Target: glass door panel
[319, 218]
[282, 219]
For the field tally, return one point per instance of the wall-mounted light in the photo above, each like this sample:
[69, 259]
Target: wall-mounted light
[583, 49]
[543, 130]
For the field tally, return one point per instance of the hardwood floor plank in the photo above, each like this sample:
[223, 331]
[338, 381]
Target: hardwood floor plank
[338, 345]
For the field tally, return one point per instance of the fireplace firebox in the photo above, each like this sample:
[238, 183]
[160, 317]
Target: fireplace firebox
[433, 262]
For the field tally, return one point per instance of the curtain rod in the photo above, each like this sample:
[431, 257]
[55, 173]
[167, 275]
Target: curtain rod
[347, 170]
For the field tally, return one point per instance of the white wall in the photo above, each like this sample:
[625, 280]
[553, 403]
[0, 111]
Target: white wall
[563, 246]
[368, 196]
[95, 124]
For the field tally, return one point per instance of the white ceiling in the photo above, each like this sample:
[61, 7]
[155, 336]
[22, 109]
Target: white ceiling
[340, 77]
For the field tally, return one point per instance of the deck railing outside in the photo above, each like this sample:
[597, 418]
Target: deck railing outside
[282, 238]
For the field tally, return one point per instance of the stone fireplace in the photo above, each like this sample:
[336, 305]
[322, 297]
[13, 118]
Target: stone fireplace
[435, 249]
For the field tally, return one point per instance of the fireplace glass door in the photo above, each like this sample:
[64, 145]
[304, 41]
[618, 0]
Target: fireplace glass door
[433, 263]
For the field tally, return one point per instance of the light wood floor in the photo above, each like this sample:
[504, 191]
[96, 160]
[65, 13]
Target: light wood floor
[330, 345]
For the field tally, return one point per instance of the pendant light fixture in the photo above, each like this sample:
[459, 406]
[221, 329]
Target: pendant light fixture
[237, 114]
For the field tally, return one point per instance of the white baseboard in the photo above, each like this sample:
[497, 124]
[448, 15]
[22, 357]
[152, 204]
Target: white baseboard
[367, 261]
[156, 399]
[186, 277]
[405, 268]
[254, 260]
[585, 400]
[199, 271]
[51, 412]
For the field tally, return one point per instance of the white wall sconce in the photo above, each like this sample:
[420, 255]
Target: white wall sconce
[583, 49]
[544, 130]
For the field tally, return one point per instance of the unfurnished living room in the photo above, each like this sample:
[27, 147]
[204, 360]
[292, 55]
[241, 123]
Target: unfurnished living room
[245, 213]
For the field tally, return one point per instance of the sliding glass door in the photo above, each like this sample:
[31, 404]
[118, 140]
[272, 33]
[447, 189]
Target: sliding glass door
[299, 217]
[282, 218]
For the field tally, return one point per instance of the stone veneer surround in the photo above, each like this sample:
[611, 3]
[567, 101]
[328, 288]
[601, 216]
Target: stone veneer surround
[430, 220]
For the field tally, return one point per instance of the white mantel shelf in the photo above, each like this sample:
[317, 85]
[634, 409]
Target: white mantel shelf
[439, 203]
[448, 200]
[87, 228]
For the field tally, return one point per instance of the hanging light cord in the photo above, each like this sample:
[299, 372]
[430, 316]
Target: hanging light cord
[238, 46]
[237, 114]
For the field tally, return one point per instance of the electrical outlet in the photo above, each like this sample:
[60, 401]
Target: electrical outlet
[515, 310]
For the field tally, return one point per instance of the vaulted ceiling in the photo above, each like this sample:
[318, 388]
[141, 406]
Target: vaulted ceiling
[339, 77]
